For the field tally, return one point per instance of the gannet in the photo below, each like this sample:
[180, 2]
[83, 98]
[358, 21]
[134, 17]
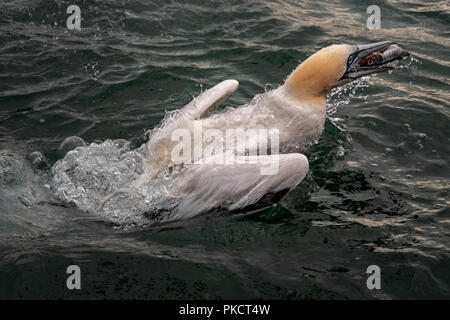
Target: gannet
[297, 109]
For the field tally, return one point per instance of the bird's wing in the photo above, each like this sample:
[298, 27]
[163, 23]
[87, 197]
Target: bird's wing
[160, 143]
[237, 184]
[208, 101]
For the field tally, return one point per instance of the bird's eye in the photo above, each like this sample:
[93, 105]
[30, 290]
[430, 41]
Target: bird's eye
[370, 60]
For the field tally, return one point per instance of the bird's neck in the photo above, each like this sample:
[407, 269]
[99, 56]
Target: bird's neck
[305, 87]
[313, 78]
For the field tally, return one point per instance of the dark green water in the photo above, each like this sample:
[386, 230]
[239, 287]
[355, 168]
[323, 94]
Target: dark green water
[378, 188]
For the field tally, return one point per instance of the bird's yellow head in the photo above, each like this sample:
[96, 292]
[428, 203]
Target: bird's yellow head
[338, 64]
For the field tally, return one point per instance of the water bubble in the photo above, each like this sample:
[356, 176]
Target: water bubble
[69, 144]
[37, 159]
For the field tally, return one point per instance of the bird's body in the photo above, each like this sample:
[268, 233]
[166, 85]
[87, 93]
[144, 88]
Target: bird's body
[296, 110]
[297, 123]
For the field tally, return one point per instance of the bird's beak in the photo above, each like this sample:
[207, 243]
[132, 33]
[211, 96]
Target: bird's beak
[372, 58]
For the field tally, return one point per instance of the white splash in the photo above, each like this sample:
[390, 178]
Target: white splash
[111, 180]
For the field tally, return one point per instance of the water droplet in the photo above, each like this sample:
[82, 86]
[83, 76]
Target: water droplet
[340, 151]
